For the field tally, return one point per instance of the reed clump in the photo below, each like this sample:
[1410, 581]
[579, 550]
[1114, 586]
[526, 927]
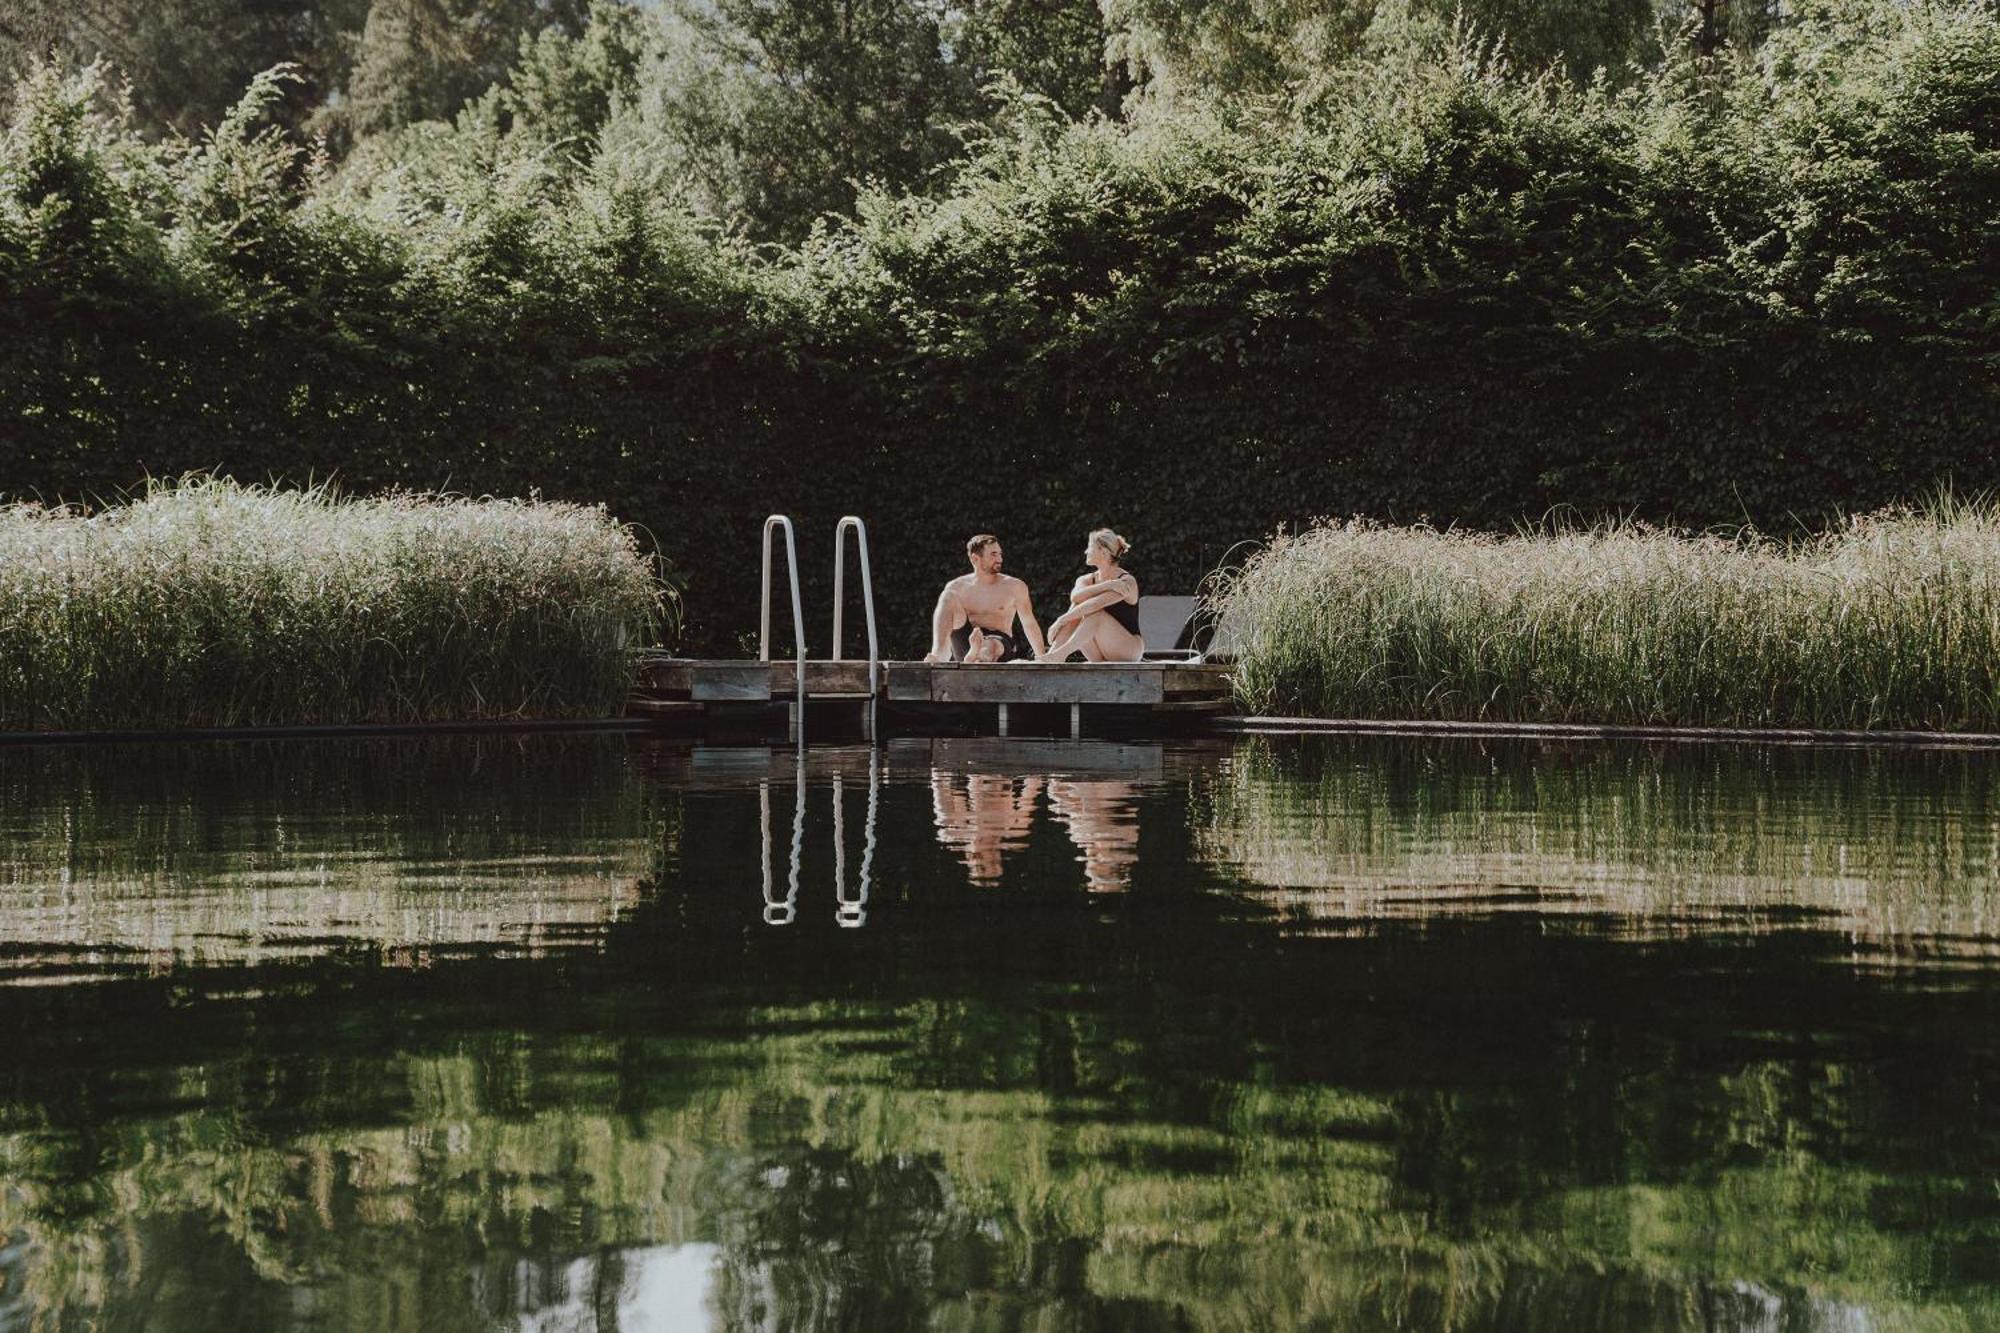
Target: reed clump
[1888, 620]
[208, 603]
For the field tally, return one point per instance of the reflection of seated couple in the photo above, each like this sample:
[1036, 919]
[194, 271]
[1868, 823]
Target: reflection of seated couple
[983, 816]
[975, 619]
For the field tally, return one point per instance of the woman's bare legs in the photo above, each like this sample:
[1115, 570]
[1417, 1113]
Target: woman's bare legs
[1115, 643]
[1068, 640]
[1082, 639]
[1099, 638]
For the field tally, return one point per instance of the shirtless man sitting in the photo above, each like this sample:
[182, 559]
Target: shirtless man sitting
[974, 619]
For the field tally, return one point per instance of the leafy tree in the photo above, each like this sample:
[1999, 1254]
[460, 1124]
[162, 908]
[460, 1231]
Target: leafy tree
[186, 62]
[775, 109]
[768, 113]
[564, 88]
[1051, 48]
[1716, 25]
[1185, 49]
[1191, 50]
[420, 60]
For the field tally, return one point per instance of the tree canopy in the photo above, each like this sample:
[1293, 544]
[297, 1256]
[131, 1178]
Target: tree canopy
[770, 114]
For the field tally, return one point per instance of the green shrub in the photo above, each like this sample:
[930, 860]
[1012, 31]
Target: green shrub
[212, 604]
[1443, 289]
[1888, 621]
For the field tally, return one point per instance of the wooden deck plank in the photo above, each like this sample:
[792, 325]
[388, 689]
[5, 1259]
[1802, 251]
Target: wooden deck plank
[1196, 678]
[909, 682]
[665, 675]
[1014, 684]
[662, 708]
[730, 681]
[1218, 705]
[833, 678]
[672, 676]
[948, 682]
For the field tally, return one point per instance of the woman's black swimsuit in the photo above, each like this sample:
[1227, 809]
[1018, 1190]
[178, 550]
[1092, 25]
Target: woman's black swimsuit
[1012, 649]
[1125, 613]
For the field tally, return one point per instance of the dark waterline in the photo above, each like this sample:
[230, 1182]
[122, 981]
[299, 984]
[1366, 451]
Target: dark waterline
[1337, 1033]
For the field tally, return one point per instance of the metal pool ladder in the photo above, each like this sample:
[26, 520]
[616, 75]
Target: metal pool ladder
[860, 530]
[798, 618]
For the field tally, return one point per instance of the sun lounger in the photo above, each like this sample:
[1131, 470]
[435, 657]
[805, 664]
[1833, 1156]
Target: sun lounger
[1163, 624]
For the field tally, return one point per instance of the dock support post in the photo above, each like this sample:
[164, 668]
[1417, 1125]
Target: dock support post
[791, 723]
[1003, 718]
[1075, 721]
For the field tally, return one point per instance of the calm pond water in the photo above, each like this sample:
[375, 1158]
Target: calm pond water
[562, 1034]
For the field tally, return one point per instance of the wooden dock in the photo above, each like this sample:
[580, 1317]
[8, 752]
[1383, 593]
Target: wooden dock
[921, 697]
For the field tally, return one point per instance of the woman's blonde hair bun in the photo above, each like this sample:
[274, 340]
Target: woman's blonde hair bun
[1114, 545]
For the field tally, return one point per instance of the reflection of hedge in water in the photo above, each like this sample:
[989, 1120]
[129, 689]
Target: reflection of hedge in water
[1890, 844]
[255, 849]
[837, 1192]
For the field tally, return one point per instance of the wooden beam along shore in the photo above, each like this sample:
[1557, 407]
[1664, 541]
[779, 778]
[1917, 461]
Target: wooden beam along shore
[694, 689]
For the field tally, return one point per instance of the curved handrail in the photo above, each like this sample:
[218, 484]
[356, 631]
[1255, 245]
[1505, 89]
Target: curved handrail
[798, 614]
[860, 530]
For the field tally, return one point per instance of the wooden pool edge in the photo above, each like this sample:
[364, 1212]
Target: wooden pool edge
[333, 731]
[1267, 725]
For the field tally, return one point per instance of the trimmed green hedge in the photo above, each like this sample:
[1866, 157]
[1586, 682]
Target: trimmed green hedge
[1451, 292]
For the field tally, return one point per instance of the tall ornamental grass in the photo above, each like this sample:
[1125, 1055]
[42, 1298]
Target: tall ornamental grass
[207, 603]
[1891, 620]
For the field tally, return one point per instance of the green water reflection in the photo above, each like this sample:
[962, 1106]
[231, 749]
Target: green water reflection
[157, 856]
[1898, 848]
[1354, 1036]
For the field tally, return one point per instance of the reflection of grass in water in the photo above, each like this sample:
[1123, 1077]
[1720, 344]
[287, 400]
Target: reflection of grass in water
[804, 1149]
[1883, 843]
[251, 851]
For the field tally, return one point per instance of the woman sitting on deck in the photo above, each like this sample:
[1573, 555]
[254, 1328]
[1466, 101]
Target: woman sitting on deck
[1102, 622]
